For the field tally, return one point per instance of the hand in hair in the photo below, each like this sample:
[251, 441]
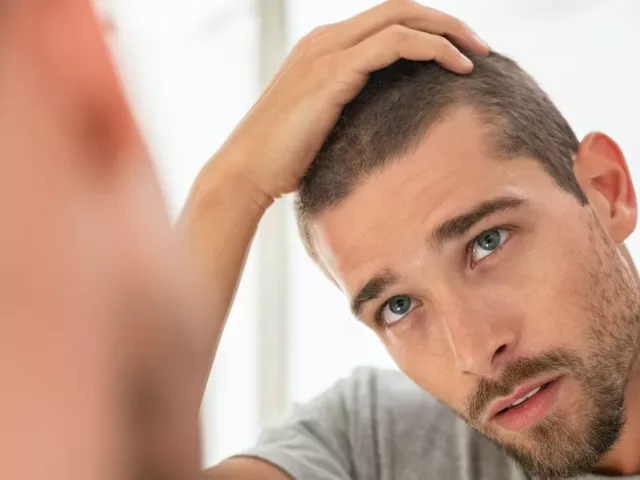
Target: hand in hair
[273, 146]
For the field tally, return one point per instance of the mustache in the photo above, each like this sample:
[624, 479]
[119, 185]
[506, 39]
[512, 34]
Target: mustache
[516, 373]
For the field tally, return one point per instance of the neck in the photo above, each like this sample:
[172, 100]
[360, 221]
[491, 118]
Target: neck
[624, 457]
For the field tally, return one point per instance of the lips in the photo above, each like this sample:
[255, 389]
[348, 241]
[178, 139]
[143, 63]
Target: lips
[519, 396]
[526, 397]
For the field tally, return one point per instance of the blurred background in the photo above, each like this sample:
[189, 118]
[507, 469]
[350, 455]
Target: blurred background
[193, 68]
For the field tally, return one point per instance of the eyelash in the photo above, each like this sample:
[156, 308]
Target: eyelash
[378, 318]
[469, 253]
[470, 245]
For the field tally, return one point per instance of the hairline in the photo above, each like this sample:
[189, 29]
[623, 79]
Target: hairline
[494, 133]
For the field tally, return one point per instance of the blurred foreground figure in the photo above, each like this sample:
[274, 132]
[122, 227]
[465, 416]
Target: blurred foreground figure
[90, 338]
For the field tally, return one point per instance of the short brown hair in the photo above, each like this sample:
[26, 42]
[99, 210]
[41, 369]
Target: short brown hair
[399, 103]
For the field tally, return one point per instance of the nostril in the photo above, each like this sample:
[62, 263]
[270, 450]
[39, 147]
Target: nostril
[500, 350]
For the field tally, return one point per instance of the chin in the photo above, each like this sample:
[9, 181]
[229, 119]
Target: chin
[562, 445]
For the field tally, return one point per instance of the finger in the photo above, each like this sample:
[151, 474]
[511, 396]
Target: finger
[396, 42]
[346, 34]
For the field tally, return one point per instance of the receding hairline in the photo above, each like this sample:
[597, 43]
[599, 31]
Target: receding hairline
[491, 130]
[400, 105]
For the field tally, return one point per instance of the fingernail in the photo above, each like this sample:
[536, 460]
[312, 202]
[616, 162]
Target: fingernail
[466, 61]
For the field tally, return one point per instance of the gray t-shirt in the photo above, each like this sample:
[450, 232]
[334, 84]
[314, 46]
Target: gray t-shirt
[379, 425]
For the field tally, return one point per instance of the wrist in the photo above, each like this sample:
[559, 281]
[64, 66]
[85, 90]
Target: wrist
[225, 181]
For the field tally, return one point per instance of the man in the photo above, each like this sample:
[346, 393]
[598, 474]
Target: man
[108, 329]
[107, 352]
[484, 245]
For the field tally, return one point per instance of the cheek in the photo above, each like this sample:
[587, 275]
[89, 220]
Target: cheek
[556, 287]
[428, 363]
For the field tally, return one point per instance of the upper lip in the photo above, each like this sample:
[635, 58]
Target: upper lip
[500, 404]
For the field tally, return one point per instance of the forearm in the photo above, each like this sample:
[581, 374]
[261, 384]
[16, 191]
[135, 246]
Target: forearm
[218, 222]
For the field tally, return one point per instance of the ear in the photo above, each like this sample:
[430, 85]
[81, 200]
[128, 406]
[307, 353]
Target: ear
[603, 175]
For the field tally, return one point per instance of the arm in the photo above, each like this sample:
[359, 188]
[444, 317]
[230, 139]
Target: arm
[218, 223]
[270, 150]
[313, 442]
[241, 468]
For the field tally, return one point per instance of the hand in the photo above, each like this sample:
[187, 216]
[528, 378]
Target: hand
[274, 145]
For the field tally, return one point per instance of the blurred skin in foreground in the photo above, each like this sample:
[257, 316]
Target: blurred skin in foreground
[92, 285]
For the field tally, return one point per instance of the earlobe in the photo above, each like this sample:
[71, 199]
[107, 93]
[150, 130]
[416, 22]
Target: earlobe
[603, 175]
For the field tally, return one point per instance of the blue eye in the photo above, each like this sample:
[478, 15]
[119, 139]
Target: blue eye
[488, 242]
[397, 308]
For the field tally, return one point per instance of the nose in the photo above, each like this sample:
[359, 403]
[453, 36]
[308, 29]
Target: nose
[482, 336]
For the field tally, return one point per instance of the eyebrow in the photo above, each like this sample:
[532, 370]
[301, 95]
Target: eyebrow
[373, 289]
[448, 231]
[456, 227]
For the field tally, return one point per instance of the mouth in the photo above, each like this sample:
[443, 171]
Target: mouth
[526, 406]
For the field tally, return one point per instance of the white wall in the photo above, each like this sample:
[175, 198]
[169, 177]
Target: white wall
[190, 69]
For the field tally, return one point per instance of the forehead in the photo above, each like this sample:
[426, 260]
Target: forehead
[450, 170]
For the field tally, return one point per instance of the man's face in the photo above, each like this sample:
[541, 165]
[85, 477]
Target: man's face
[488, 283]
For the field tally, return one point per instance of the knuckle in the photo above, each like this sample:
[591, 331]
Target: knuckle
[400, 6]
[397, 33]
[317, 32]
[307, 44]
[443, 45]
[454, 25]
[298, 52]
[450, 23]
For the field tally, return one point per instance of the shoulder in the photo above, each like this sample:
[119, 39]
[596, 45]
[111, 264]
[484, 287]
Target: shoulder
[411, 434]
[377, 424]
[391, 392]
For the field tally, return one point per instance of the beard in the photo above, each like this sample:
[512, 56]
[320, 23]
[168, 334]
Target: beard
[555, 448]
